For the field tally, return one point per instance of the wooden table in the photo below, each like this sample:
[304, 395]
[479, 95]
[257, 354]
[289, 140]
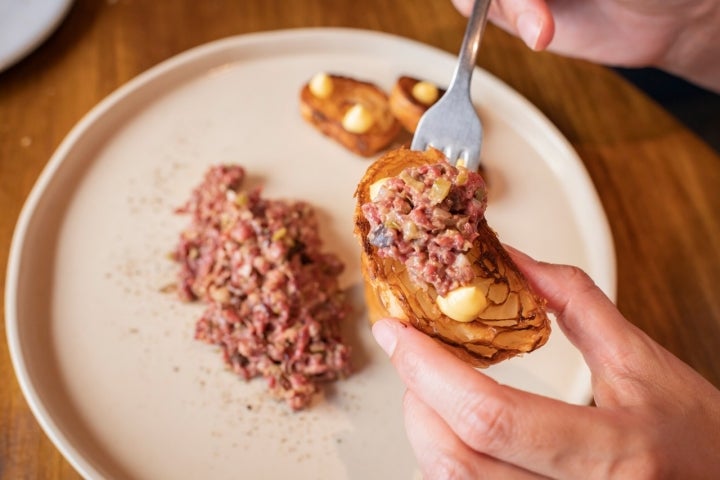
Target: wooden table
[657, 181]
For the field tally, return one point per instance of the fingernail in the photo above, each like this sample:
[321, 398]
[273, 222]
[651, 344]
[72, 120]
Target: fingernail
[528, 25]
[385, 334]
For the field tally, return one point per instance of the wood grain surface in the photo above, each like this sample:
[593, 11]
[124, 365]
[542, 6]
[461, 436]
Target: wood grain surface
[659, 184]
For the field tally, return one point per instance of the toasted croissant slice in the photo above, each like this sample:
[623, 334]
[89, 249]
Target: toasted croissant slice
[429, 258]
[353, 112]
[410, 98]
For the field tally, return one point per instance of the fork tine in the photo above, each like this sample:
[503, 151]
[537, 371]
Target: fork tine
[452, 124]
[419, 143]
[463, 158]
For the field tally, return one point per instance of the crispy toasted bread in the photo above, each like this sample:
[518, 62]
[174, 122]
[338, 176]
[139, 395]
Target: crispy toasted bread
[514, 321]
[326, 112]
[405, 105]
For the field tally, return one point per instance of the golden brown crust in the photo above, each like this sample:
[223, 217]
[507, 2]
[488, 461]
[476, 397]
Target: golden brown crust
[514, 323]
[326, 114]
[406, 108]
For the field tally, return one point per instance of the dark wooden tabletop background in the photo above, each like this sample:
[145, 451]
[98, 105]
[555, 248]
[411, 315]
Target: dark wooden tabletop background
[658, 182]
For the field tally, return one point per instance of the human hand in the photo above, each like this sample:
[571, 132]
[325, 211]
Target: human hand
[655, 417]
[681, 36]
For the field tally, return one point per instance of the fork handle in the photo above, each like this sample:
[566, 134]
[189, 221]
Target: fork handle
[470, 45]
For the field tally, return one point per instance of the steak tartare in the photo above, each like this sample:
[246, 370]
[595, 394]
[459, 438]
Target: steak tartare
[274, 304]
[427, 218]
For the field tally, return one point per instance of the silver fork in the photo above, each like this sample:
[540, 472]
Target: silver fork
[452, 124]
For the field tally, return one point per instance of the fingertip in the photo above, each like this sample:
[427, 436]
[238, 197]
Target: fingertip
[547, 32]
[385, 332]
[463, 6]
[529, 27]
[536, 28]
[518, 254]
[531, 20]
[527, 264]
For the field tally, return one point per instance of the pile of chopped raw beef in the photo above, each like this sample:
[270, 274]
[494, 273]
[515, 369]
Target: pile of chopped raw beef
[274, 304]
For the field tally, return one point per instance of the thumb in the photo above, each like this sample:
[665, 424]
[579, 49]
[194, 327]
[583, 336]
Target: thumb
[588, 317]
[531, 20]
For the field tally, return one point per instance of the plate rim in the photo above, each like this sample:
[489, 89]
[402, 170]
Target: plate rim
[15, 258]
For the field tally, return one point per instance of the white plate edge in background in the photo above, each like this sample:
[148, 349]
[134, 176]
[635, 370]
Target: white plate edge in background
[31, 36]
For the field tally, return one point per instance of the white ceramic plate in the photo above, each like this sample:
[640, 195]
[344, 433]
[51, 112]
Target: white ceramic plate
[108, 363]
[25, 24]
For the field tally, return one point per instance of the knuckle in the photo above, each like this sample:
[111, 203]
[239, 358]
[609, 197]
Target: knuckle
[649, 468]
[407, 401]
[409, 365]
[641, 467]
[644, 456]
[649, 462]
[582, 289]
[578, 278]
[484, 423]
[439, 458]
[410, 405]
[446, 467]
